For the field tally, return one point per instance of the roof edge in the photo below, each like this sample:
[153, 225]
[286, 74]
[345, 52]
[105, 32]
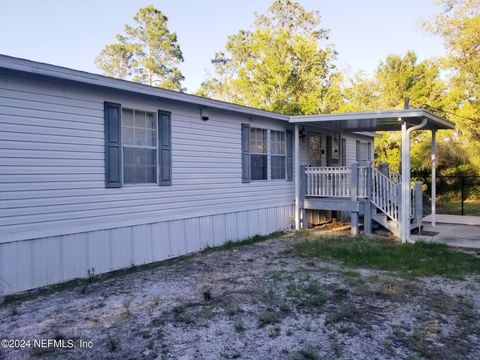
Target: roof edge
[63, 73]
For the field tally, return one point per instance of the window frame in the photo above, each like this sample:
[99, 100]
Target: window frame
[265, 153]
[272, 154]
[146, 147]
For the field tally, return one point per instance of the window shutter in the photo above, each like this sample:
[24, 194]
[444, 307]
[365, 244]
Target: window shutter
[164, 148]
[289, 142]
[245, 153]
[113, 153]
[357, 157]
[344, 152]
[369, 157]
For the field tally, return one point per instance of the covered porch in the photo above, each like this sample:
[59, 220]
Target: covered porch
[379, 194]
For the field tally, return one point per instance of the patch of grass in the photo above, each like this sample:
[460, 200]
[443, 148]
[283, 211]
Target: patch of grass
[249, 241]
[302, 233]
[275, 332]
[127, 310]
[239, 326]
[419, 259]
[309, 294]
[207, 294]
[344, 312]
[182, 314]
[112, 343]
[307, 352]
[269, 317]
[14, 310]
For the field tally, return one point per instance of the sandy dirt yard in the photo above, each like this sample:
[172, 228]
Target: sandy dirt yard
[258, 301]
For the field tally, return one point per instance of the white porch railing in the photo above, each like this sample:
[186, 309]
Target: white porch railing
[384, 191]
[385, 194]
[334, 181]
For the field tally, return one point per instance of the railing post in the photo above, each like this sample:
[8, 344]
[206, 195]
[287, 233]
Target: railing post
[419, 203]
[367, 214]
[384, 169]
[354, 182]
[354, 195]
[303, 190]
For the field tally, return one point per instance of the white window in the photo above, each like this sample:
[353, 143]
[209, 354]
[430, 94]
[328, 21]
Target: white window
[139, 141]
[258, 153]
[278, 158]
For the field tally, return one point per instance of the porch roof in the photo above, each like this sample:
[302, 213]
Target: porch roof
[375, 121]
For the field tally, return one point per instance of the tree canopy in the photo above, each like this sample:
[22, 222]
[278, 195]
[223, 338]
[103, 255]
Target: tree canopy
[147, 52]
[286, 63]
[283, 64]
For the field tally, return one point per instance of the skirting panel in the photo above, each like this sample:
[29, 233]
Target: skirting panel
[34, 263]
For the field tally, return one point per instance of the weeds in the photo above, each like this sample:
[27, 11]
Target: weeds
[307, 352]
[239, 326]
[207, 294]
[419, 259]
[269, 317]
[308, 294]
[127, 311]
[112, 343]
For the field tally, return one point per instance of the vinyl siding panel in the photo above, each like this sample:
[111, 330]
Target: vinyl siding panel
[52, 163]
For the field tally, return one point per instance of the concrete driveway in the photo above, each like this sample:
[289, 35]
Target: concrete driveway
[455, 230]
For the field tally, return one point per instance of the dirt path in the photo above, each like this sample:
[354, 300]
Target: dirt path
[260, 301]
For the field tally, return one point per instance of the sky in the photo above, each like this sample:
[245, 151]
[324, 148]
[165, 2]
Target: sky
[72, 33]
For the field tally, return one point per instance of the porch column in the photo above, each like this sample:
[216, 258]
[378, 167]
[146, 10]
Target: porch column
[406, 195]
[434, 175]
[296, 164]
[405, 205]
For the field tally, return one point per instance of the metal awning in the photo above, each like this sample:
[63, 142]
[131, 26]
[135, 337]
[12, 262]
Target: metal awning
[375, 121]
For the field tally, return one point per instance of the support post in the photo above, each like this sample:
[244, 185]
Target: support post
[419, 204]
[354, 195]
[303, 187]
[405, 214]
[406, 195]
[367, 212]
[296, 166]
[384, 168]
[434, 176]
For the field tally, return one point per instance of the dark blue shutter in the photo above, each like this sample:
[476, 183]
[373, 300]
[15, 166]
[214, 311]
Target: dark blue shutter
[344, 152]
[164, 148]
[113, 153]
[246, 153]
[289, 155]
[357, 149]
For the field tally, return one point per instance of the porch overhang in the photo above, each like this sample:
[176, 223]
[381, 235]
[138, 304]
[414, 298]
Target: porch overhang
[391, 120]
[405, 121]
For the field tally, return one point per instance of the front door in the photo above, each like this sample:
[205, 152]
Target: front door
[314, 150]
[333, 150]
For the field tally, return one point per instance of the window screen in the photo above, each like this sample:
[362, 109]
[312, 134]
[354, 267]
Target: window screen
[258, 153]
[277, 140]
[139, 135]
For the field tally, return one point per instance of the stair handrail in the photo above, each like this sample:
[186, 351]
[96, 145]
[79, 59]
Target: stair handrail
[394, 176]
[385, 194]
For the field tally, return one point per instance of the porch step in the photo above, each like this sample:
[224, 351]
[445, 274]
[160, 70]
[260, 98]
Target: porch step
[387, 223]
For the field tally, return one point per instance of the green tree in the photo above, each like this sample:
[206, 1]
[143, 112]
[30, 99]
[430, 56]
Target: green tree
[458, 24]
[396, 78]
[281, 65]
[147, 52]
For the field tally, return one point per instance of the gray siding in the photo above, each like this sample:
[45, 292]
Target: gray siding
[52, 163]
[33, 263]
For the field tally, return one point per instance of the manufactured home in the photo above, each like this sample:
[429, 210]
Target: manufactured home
[99, 174]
